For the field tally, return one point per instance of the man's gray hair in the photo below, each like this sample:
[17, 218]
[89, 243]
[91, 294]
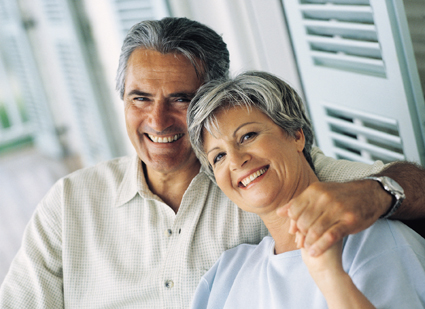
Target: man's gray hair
[261, 90]
[189, 38]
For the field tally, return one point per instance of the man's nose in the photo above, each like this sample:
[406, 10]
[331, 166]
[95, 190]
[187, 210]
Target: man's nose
[159, 117]
[238, 159]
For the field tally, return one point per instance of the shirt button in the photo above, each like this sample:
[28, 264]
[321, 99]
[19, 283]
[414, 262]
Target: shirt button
[169, 284]
[168, 232]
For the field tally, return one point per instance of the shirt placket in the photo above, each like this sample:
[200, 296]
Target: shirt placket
[178, 239]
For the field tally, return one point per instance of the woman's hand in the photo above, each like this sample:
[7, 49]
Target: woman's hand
[334, 283]
[325, 266]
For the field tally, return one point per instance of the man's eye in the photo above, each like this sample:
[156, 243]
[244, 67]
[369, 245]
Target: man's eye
[183, 100]
[248, 136]
[218, 157]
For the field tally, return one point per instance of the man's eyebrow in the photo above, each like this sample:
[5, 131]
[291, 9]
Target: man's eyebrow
[188, 95]
[139, 93]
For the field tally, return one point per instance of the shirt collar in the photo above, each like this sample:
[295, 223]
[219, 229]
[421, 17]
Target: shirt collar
[132, 183]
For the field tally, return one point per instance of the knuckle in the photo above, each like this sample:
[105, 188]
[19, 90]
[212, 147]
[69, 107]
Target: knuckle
[350, 218]
[333, 235]
[302, 226]
[312, 236]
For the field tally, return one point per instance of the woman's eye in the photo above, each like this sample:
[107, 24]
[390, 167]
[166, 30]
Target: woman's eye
[248, 136]
[218, 157]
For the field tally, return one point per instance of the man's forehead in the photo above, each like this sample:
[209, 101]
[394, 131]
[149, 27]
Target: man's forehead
[145, 59]
[150, 70]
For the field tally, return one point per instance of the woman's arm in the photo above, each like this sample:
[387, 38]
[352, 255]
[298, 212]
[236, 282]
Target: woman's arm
[334, 283]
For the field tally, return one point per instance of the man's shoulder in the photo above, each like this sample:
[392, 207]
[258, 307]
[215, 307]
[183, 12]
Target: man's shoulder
[116, 166]
[102, 178]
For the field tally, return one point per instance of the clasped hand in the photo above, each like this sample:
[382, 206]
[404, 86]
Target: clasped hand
[326, 212]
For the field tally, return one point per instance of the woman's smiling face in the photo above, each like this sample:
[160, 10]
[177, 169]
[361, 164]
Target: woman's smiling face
[255, 163]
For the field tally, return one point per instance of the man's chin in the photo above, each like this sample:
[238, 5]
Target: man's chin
[171, 164]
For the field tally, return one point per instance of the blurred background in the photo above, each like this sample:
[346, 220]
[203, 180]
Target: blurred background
[359, 65]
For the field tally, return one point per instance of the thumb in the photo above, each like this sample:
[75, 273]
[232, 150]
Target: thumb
[283, 211]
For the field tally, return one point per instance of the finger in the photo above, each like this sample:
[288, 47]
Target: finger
[319, 227]
[299, 239]
[308, 218]
[284, 210]
[296, 206]
[328, 239]
[293, 227]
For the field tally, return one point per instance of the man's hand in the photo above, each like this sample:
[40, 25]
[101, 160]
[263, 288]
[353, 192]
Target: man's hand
[326, 212]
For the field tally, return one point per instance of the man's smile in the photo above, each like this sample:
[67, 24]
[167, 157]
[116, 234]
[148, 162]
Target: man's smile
[165, 139]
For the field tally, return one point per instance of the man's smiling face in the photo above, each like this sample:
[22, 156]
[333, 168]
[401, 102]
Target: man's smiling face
[158, 90]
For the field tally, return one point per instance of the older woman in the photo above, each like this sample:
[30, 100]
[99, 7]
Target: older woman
[252, 134]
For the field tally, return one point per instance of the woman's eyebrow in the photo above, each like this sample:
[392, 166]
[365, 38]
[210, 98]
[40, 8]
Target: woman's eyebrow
[241, 126]
[211, 150]
[234, 133]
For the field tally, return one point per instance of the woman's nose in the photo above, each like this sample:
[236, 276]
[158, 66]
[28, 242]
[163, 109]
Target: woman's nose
[238, 159]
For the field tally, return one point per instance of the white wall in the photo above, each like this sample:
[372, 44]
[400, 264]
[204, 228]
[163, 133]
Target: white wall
[254, 31]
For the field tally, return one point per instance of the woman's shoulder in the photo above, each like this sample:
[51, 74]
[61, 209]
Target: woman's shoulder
[232, 260]
[245, 251]
[388, 233]
[381, 238]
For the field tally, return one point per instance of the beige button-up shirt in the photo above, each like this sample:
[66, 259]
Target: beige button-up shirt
[101, 239]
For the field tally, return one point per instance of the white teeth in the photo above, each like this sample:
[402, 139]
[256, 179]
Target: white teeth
[253, 176]
[170, 139]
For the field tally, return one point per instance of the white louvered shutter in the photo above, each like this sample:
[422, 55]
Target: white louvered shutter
[88, 111]
[130, 12]
[360, 79]
[26, 85]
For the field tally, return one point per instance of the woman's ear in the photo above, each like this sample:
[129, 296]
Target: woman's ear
[300, 140]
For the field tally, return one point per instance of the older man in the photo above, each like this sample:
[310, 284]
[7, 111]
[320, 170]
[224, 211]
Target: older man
[141, 231]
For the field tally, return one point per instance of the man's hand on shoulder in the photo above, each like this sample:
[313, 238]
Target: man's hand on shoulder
[327, 211]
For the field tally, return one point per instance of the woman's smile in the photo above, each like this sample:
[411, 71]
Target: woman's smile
[254, 176]
[255, 162]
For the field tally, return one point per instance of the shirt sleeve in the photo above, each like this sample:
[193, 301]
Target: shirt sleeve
[329, 169]
[202, 294]
[35, 277]
[387, 284]
[391, 274]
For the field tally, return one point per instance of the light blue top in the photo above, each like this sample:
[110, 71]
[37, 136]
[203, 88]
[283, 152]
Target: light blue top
[386, 262]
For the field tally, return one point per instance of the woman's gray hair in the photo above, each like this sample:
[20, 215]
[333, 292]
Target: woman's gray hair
[189, 38]
[261, 90]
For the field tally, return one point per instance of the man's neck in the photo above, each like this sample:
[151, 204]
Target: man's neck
[170, 187]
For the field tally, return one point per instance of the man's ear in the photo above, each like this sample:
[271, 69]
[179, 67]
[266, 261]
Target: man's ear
[300, 140]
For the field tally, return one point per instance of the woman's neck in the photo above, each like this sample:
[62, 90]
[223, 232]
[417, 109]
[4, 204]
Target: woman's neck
[279, 226]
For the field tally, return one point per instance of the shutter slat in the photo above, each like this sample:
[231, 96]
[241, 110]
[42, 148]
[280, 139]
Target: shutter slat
[350, 47]
[346, 2]
[362, 14]
[344, 154]
[370, 133]
[359, 145]
[349, 63]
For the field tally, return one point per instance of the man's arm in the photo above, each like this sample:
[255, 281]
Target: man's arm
[34, 279]
[326, 212]
[411, 177]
